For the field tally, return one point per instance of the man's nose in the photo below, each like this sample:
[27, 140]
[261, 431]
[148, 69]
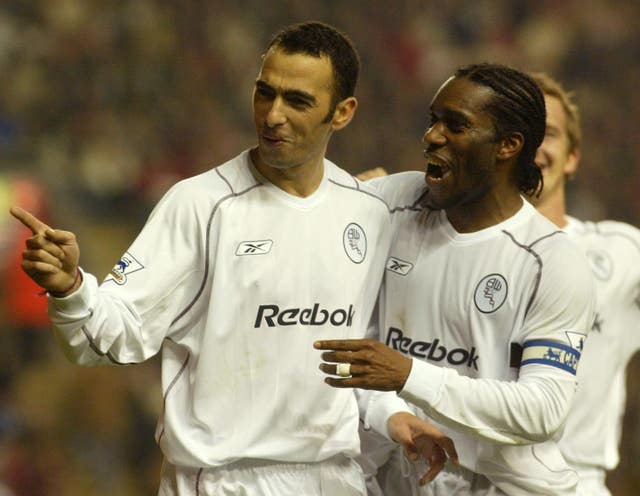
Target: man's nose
[434, 136]
[276, 114]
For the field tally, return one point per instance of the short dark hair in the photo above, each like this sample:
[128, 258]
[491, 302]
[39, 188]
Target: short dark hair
[318, 39]
[518, 105]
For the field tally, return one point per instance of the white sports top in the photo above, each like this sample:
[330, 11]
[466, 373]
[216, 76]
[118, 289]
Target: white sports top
[592, 432]
[233, 280]
[495, 321]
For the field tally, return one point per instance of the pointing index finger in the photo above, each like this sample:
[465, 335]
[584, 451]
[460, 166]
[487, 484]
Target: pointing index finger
[340, 344]
[30, 221]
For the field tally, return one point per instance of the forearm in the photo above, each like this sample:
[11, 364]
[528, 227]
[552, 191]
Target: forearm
[529, 410]
[95, 329]
[376, 407]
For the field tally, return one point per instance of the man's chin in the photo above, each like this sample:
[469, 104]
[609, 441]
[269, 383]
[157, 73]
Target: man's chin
[272, 160]
[430, 202]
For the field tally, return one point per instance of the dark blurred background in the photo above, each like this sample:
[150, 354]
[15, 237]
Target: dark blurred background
[104, 104]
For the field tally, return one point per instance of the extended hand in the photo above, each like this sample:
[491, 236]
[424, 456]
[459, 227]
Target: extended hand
[51, 257]
[421, 439]
[371, 173]
[373, 365]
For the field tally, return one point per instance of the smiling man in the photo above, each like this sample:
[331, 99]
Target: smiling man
[485, 303]
[592, 432]
[236, 273]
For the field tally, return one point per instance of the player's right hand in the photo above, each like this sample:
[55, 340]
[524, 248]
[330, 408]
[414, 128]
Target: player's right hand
[51, 256]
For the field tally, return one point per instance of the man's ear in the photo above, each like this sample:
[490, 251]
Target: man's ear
[571, 165]
[344, 112]
[510, 146]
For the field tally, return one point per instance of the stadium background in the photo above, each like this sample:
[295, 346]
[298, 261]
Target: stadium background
[104, 104]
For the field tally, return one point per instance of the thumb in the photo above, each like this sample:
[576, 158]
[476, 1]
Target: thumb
[411, 451]
[60, 237]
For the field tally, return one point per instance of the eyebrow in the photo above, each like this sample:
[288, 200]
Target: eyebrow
[451, 115]
[288, 93]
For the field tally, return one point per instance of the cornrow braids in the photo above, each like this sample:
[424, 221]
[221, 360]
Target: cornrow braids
[518, 105]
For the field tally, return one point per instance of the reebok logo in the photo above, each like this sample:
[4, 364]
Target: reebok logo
[434, 351]
[399, 266]
[254, 247]
[314, 316]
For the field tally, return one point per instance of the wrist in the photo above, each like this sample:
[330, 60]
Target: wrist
[74, 286]
[407, 364]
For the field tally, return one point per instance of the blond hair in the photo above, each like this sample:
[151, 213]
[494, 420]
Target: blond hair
[553, 88]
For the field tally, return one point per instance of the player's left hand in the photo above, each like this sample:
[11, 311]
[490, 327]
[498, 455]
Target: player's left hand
[373, 365]
[422, 440]
[372, 173]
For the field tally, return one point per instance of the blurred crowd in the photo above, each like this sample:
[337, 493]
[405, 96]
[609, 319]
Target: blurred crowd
[105, 103]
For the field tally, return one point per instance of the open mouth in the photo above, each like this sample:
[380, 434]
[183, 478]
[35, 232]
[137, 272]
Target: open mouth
[436, 172]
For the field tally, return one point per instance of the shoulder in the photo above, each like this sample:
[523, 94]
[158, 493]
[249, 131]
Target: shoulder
[401, 191]
[531, 230]
[551, 242]
[203, 192]
[612, 229]
[230, 178]
[553, 249]
[360, 189]
[607, 235]
[563, 276]
[562, 260]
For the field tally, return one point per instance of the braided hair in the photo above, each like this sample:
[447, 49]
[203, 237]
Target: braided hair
[518, 105]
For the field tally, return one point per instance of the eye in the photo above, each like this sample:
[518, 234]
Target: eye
[263, 91]
[433, 120]
[299, 103]
[455, 125]
[551, 133]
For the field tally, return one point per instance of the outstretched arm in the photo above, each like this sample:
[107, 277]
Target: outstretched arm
[528, 410]
[51, 256]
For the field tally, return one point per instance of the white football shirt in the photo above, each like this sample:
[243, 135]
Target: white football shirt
[233, 280]
[495, 321]
[592, 432]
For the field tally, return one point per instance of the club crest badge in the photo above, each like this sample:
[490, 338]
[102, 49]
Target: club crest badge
[354, 241]
[601, 264]
[491, 292]
[126, 266]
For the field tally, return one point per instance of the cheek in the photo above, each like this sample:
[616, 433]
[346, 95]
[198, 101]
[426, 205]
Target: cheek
[554, 149]
[256, 113]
